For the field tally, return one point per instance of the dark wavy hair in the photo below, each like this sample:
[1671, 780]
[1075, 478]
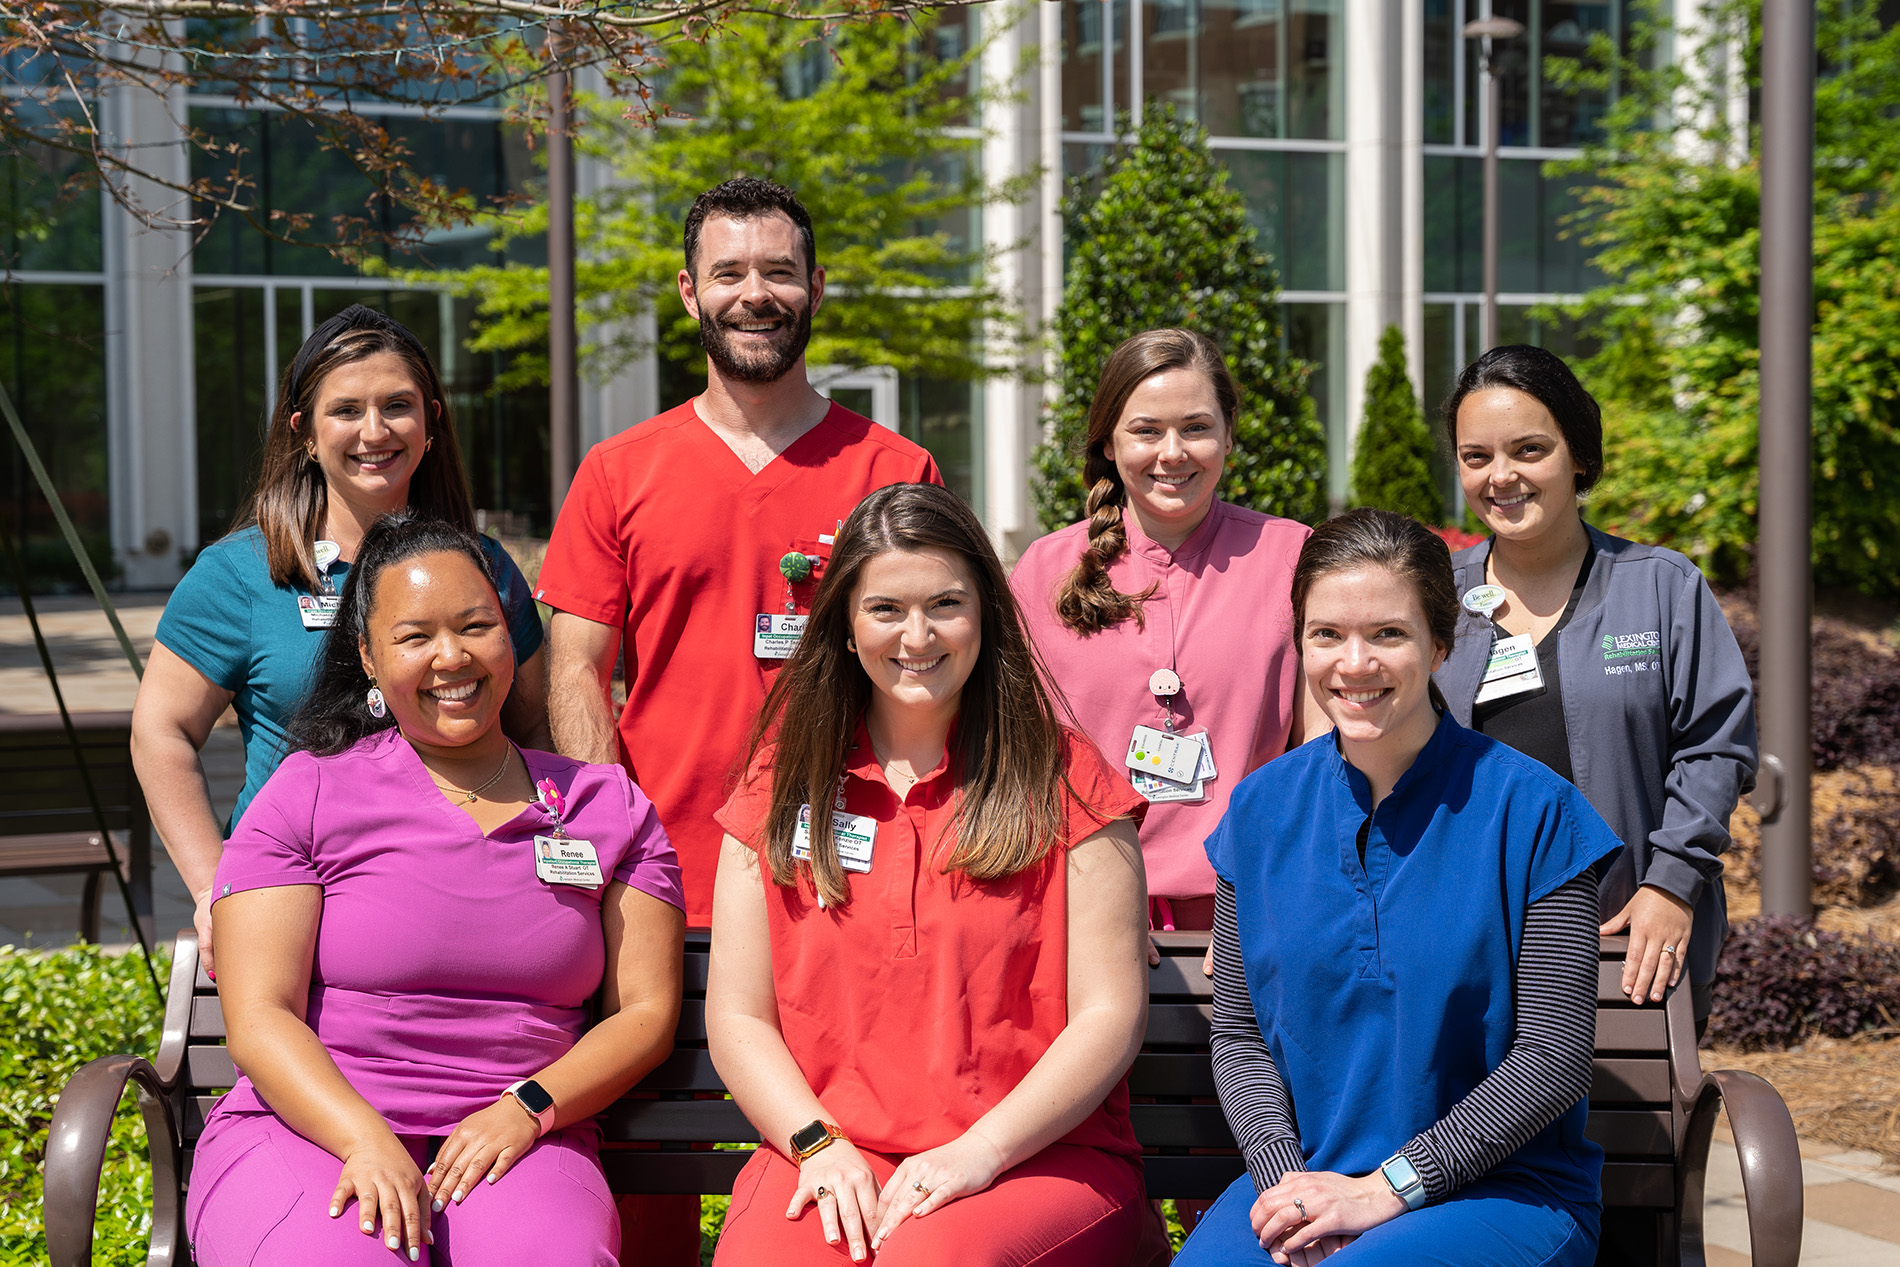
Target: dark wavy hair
[748, 198]
[1007, 753]
[1398, 543]
[1544, 377]
[332, 717]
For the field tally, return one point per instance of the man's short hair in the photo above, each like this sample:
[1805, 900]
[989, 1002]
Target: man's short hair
[748, 198]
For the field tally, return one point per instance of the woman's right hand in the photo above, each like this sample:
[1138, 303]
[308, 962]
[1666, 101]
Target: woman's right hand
[839, 1179]
[201, 920]
[387, 1186]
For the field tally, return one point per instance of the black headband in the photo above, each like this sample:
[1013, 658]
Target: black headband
[354, 317]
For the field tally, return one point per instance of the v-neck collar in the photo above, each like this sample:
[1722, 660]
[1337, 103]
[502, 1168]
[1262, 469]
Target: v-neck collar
[411, 761]
[1428, 757]
[1189, 551]
[741, 478]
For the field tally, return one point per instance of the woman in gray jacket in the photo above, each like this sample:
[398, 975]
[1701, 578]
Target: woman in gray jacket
[1606, 660]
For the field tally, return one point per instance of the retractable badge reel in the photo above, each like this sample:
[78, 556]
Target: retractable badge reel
[1163, 765]
[318, 610]
[775, 637]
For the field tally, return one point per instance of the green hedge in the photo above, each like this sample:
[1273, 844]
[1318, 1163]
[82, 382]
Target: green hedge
[71, 1006]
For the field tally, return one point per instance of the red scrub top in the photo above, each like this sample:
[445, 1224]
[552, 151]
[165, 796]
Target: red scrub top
[666, 534]
[916, 1007]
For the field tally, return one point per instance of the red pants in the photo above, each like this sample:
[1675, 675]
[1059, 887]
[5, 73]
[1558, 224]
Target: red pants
[1065, 1207]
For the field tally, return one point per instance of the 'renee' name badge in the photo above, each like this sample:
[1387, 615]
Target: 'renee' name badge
[559, 860]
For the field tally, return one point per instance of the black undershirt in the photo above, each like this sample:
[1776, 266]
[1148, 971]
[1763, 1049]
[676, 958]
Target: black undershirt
[1533, 723]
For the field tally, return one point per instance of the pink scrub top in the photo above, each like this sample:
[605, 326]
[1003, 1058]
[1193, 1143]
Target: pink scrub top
[445, 969]
[1222, 619]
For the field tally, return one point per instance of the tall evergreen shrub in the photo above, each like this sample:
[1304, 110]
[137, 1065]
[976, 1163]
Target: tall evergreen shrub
[1392, 463]
[1158, 239]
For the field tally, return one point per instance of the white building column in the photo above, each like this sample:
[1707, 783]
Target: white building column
[1412, 195]
[1013, 144]
[1377, 85]
[151, 389]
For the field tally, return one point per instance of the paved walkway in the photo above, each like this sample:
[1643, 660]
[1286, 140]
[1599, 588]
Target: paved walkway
[1853, 1206]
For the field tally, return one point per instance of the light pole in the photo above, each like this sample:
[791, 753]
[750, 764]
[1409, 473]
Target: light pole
[1784, 549]
[564, 425]
[1486, 30]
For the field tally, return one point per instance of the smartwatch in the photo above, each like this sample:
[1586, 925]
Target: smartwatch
[814, 1137]
[538, 1104]
[1404, 1179]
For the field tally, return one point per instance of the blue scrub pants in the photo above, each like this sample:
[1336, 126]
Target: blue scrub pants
[1483, 1225]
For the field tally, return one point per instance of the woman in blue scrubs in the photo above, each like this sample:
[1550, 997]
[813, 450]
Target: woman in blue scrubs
[1405, 951]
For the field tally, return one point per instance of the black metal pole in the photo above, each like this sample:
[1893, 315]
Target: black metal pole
[564, 425]
[1784, 544]
[1488, 318]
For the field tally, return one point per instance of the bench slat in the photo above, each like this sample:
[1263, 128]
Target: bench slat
[1645, 1184]
[1180, 1125]
[1191, 1177]
[676, 1121]
[52, 852]
[1632, 1132]
[687, 1069]
[1179, 1025]
[1619, 1080]
[1171, 1073]
[646, 1170]
[1632, 1029]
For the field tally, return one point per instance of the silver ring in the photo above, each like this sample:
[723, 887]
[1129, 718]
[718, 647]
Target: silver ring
[1301, 1207]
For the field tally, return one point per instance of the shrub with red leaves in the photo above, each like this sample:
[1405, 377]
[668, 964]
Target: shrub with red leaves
[1856, 693]
[1457, 538]
[1781, 981]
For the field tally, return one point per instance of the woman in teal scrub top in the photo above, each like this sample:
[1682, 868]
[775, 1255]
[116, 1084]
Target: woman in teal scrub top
[361, 429]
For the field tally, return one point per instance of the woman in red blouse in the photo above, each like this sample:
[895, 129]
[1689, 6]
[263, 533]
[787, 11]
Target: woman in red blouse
[926, 994]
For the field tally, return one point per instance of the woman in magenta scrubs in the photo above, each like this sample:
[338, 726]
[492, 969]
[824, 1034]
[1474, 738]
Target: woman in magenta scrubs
[1167, 608]
[414, 914]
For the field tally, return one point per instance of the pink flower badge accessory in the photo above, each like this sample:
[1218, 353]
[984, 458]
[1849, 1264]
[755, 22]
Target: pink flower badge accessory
[554, 803]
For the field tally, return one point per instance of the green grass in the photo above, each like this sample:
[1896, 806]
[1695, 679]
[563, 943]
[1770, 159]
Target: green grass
[71, 1006]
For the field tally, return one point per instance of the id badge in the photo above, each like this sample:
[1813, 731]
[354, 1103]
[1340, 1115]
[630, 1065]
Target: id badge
[318, 610]
[1173, 757]
[559, 860]
[1161, 791]
[776, 637]
[1512, 670]
[854, 835]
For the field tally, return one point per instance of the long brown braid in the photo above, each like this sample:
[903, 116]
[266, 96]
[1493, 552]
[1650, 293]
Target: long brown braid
[1087, 601]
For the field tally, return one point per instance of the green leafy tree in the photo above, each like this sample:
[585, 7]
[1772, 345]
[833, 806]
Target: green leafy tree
[860, 124]
[1158, 239]
[1392, 463]
[1674, 212]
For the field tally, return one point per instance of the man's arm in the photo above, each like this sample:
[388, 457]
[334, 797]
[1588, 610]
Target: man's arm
[581, 656]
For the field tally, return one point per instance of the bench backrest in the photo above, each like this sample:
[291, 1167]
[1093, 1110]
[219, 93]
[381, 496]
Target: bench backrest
[40, 787]
[656, 1138]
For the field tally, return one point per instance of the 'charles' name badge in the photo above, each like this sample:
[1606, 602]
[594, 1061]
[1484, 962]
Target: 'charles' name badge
[318, 611]
[854, 834]
[776, 637]
[1512, 670]
[559, 860]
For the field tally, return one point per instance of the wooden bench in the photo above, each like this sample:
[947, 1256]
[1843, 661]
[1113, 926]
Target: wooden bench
[47, 826]
[1653, 1109]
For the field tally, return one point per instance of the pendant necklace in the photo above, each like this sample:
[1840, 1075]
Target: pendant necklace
[472, 793]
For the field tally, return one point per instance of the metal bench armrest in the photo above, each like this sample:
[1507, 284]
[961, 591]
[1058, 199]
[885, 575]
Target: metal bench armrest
[76, 1150]
[1771, 1166]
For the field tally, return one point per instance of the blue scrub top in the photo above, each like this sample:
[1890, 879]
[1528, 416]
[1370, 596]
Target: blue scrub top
[1385, 992]
[232, 623]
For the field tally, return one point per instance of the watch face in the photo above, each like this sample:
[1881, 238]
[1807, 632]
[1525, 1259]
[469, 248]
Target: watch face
[807, 1137]
[1400, 1173]
[533, 1098]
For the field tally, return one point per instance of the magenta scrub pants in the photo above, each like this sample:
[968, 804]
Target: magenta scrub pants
[260, 1194]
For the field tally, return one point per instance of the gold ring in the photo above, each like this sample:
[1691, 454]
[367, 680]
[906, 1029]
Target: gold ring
[919, 1186]
[822, 1193]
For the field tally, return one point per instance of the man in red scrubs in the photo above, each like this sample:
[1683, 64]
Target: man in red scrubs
[693, 542]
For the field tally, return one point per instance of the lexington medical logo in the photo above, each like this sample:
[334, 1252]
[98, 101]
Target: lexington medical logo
[1639, 647]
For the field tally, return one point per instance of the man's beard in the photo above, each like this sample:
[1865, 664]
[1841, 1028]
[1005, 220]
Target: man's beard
[768, 364]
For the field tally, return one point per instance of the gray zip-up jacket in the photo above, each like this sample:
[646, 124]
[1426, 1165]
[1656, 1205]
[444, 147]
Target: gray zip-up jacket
[1660, 716]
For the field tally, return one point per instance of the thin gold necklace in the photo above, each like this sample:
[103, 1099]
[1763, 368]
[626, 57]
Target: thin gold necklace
[472, 793]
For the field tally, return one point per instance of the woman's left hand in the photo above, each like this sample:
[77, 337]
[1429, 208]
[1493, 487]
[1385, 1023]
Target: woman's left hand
[1659, 925]
[1336, 1209]
[483, 1146]
[928, 1181]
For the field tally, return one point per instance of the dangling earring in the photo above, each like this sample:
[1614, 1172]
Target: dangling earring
[851, 645]
[427, 444]
[310, 451]
[374, 699]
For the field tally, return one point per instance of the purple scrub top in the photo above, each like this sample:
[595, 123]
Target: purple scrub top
[445, 969]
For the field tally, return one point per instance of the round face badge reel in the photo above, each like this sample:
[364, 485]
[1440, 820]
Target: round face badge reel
[1164, 682]
[1482, 600]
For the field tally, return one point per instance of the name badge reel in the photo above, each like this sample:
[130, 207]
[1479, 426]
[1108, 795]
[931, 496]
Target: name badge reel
[558, 857]
[775, 637]
[1165, 766]
[318, 611]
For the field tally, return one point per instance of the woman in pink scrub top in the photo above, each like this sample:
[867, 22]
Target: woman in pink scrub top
[414, 915]
[1169, 609]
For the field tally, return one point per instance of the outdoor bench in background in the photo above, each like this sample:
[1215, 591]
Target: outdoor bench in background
[1653, 1109]
[47, 826]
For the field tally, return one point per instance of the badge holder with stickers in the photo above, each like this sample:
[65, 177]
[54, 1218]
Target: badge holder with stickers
[558, 857]
[318, 610]
[1166, 766]
[1512, 669]
[854, 836]
[775, 636]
